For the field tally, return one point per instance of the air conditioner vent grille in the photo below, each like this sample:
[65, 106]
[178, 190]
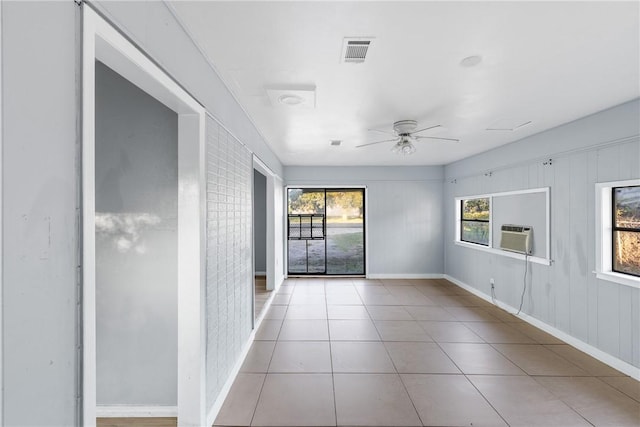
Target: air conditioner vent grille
[355, 50]
[516, 238]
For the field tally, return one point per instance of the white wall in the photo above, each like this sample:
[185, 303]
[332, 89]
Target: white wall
[136, 172]
[404, 214]
[39, 213]
[566, 295]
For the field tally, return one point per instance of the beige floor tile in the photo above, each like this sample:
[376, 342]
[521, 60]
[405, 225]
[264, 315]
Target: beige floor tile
[285, 290]
[471, 314]
[449, 400]
[521, 401]
[346, 312]
[396, 282]
[535, 359]
[363, 357]
[536, 334]
[409, 295]
[401, 330]
[373, 400]
[503, 315]
[281, 299]
[372, 290]
[420, 358]
[307, 299]
[296, 400]
[436, 290]
[304, 330]
[258, 357]
[450, 301]
[380, 299]
[584, 361]
[353, 330]
[315, 289]
[347, 299]
[450, 332]
[480, 359]
[627, 385]
[276, 312]
[317, 311]
[429, 313]
[599, 403]
[388, 312]
[499, 333]
[301, 356]
[268, 330]
[240, 404]
[341, 290]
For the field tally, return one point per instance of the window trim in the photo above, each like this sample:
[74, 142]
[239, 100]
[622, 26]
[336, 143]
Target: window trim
[604, 234]
[546, 260]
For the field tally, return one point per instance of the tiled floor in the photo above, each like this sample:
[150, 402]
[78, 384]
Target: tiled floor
[415, 352]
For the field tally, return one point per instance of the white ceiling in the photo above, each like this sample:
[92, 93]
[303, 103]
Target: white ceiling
[548, 62]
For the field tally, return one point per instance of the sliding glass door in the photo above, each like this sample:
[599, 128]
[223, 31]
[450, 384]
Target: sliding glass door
[325, 231]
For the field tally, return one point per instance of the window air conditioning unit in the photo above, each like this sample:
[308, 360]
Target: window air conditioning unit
[516, 238]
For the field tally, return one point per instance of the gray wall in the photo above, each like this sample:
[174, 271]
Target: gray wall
[229, 285]
[39, 213]
[136, 245]
[260, 221]
[404, 213]
[565, 295]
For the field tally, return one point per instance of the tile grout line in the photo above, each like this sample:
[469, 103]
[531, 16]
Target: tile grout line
[333, 378]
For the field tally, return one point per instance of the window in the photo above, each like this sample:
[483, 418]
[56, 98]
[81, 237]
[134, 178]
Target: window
[474, 221]
[626, 230]
[618, 232]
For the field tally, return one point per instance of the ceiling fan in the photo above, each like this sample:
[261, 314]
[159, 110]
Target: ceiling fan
[405, 135]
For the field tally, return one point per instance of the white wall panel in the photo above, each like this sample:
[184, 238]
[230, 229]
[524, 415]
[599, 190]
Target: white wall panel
[565, 295]
[229, 255]
[39, 177]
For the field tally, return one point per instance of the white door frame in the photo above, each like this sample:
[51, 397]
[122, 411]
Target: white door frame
[271, 267]
[103, 42]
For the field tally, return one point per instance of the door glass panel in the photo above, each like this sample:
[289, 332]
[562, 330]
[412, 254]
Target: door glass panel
[345, 231]
[305, 231]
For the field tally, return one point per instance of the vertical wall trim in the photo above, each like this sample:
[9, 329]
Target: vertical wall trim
[78, 226]
[1, 235]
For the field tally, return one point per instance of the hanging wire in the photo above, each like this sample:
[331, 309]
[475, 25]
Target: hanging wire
[524, 282]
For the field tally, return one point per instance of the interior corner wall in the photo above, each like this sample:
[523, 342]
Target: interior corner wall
[404, 214]
[566, 295]
[40, 173]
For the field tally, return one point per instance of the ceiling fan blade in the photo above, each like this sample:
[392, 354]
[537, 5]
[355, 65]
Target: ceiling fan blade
[430, 127]
[377, 142]
[435, 137]
[382, 131]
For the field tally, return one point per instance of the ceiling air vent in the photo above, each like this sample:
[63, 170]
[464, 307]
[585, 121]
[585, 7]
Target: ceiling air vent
[355, 50]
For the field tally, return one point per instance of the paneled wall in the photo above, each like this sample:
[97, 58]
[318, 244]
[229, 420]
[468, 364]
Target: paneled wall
[229, 297]
[565, 295]
[404, 214]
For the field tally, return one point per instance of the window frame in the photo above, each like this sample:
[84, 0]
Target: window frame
[605, 215]
[462, 220]
[615, 227]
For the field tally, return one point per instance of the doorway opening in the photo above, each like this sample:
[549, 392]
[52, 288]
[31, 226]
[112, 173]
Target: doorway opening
[326, 231]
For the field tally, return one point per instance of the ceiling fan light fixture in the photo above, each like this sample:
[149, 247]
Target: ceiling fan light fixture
[404, 147]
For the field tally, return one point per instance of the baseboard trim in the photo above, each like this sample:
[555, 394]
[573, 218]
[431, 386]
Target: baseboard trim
[135, 411]
[260, 273]
[217, 405]
[406, 276]
[592, 351]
